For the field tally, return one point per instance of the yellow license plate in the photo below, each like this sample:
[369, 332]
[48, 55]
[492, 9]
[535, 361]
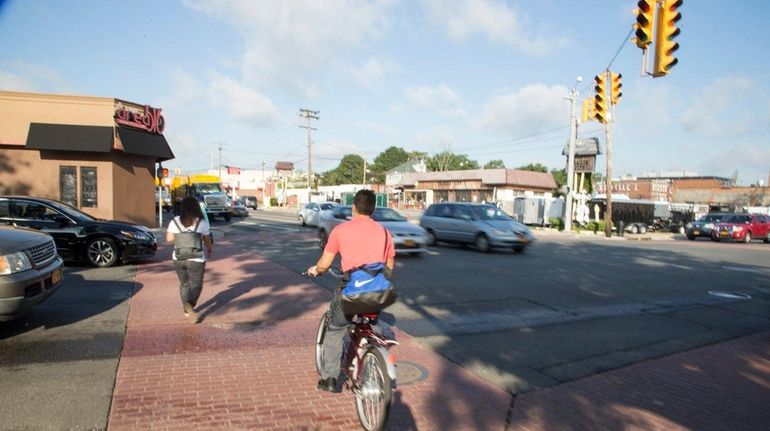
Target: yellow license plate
[410, 243]
[56, 276]
[696, 232]
[722, 233]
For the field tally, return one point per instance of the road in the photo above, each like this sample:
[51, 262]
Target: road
[569, 307]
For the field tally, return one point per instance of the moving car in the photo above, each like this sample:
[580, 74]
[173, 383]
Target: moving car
[483, 225]
[30, 270]
[310, 214]
[742, 227]
[249, 202]
[703, 226]
[237, 208]
[79, 236]
[407, 236]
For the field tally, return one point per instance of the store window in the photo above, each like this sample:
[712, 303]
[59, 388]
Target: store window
[88, 187]
[68, 185]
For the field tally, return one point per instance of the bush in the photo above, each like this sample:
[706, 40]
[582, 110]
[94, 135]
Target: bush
[556, 223]
[273, 202]
[596, 226]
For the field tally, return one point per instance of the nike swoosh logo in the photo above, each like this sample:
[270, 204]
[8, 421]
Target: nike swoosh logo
[359, 283]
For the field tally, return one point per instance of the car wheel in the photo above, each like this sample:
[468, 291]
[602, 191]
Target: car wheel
[482, 243]
[747, 238]
[634, 228]
[301, 221]
[681, 230]
[228, 217]
[767, 239]
[642, 229]
[102, 252]
[691, 237]
[322, 238]
[519, 248]
[431, 240]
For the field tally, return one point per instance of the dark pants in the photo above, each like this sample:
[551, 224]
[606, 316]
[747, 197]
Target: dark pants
[190, 280]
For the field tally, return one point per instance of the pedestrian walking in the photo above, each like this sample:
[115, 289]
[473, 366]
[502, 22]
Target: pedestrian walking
[190, 233]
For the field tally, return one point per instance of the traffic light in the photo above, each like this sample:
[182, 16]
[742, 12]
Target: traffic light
[600, 99]
[161, 173]
[645, 13]
[615, 86]
[588, 111]
[667, 30]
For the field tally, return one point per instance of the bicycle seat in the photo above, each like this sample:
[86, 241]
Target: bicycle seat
[370, 316]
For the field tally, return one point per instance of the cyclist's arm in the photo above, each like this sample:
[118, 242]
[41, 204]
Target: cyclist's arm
[390, 263]
[323, 264]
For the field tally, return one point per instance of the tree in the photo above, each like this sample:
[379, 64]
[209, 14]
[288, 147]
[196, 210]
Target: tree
[560, 176]
[494, 164]
[534, 167]
[387, 160]
[349, 171]
[448, 161]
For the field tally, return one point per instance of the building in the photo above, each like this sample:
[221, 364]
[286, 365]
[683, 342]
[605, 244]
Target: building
[95, 153]
[480, 185]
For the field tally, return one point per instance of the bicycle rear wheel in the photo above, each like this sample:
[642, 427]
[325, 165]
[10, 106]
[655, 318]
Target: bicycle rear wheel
[319, 348]
[375, 391]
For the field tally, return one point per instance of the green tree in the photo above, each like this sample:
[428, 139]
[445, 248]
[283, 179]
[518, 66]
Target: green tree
[494, 164]
[448, 161]
[560, 176]
[349, 171]
[387, 160]
[534, 167]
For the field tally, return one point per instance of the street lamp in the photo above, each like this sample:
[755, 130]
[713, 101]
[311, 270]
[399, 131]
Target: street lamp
[571, 155]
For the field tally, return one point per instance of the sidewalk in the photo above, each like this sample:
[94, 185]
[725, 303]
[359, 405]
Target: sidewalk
[249, 365]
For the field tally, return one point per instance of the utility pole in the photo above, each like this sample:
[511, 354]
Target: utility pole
[220, 162]
[309, 115]
[364, 183]
[571, 156]
[608, 184]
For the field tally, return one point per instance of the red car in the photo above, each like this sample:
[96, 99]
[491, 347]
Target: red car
[742, 227]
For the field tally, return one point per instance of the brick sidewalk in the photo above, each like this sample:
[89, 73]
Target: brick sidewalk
[249, 365]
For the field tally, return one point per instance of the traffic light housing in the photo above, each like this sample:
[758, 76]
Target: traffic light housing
[615, 86]
[600, 98]
[667, 30]
[645, 18]
[162, 173]
[588, 111]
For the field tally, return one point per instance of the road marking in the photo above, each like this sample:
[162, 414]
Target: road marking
[742, 269]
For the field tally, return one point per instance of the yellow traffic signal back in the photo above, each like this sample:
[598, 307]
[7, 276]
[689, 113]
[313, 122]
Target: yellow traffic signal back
[615, 86]
[665, 47]
[588, 111]
[645, 13]
[600, 98]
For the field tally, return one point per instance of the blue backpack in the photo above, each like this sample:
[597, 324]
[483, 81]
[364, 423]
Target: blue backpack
[367, 289]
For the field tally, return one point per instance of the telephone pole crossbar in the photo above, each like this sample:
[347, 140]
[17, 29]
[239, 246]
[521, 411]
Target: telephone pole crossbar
[309, 114]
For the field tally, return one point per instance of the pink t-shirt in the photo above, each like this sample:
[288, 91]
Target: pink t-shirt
[360, 241]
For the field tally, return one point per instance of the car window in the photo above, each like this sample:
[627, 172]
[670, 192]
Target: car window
[5, 209]
[461, 211]
[34, 211]
[444, 211]
[761, 219]
[489, 212]
[387, 214]
[327, 206]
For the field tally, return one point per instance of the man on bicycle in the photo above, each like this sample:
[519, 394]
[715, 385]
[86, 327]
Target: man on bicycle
[358, 242]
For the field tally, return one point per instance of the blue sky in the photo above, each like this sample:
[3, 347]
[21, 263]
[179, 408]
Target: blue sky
[482, 78]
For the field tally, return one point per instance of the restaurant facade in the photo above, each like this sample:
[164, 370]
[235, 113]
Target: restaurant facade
[97, 154]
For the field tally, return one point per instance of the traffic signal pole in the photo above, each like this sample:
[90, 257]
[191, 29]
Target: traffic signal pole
[608, 183]
[571, 160]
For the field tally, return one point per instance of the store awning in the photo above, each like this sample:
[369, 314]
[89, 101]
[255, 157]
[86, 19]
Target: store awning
[145, 144]
[65, 137]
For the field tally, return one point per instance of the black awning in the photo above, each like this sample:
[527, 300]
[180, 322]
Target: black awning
[65, 137]
[145, 144]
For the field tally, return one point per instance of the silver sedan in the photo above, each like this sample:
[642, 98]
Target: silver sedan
[407, 236]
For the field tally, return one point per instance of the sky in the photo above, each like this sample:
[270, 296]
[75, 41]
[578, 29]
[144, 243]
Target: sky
[478, 77]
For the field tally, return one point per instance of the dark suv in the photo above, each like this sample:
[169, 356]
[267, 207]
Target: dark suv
[79, 236]
[30, 270]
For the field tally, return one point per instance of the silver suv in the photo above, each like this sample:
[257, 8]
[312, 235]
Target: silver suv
[30, 270]
[483, 225]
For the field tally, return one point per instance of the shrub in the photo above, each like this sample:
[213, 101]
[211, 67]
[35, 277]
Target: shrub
[273, 202]
[556, 222]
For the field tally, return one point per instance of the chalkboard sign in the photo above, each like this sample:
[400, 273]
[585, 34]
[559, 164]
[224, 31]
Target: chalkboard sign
[68, 185]
[88, 187]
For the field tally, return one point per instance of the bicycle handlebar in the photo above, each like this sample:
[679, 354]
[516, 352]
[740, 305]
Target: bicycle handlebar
[333, 271]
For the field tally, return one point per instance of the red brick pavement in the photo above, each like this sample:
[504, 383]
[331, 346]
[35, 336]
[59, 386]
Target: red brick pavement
[249, 365]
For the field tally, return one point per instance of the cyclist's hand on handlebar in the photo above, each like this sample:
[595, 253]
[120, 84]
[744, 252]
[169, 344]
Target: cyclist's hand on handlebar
[312, 271]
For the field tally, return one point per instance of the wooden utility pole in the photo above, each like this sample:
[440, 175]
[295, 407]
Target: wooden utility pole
[309, 115]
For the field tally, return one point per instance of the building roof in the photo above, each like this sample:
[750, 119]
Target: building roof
[284, 166]
[509, 177]
[407, 166]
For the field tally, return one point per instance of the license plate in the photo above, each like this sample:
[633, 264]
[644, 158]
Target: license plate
[410, 243]
[523, 239]
[56, 276]
[696, 232]
[723, 234]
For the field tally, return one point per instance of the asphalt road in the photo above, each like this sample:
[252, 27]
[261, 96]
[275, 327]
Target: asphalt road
[569, 307]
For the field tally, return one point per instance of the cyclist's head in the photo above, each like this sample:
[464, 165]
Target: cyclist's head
[364, 202]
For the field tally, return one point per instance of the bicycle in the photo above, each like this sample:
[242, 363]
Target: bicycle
[367, 363]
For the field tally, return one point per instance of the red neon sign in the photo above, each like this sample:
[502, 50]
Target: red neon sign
[150, 120]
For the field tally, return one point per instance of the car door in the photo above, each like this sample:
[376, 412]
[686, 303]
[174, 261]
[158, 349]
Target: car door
[463, 228]
[762, 226]
[63, 229]
[439, 221]
[312, 214]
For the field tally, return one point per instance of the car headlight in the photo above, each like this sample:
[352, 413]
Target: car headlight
[14, 262]
[135, 235]
[708, 226]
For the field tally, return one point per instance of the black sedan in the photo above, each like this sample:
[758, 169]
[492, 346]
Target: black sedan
[703, 226]
[79, 236]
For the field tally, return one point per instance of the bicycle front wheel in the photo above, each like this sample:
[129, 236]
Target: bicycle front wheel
[319, 339]
[375, 391]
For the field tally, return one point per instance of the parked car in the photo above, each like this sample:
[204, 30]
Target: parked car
[30, 270]
[249, 202]
[237, 208]
[310, 214]
[703, 226]
[407, 236]
[742, 227]
[483, 225]
[79, 236]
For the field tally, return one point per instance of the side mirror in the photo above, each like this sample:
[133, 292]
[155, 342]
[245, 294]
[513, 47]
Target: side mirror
[348, 217]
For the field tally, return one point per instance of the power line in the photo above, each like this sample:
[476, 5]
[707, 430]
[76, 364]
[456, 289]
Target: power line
[620, 48]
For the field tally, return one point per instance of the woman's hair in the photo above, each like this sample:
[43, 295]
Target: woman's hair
[190, 211]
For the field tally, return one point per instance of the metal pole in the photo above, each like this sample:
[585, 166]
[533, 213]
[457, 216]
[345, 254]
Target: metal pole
[571, 158]
[608, 186]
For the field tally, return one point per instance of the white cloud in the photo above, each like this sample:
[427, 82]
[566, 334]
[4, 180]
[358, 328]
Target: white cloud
[495, 20]
[13, 82]
[22, 76]
[532, 108]
[242, 102]
[439, 99]
[371, 73]
[718, 111]
[287, 42]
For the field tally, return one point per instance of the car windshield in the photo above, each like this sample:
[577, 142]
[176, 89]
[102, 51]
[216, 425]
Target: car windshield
[208, 188]
[328, 206]
[387, 214]
[489, 212]
[738, 219]
[72, 212]
[711, 217]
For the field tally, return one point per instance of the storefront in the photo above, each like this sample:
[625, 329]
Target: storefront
[94, 153]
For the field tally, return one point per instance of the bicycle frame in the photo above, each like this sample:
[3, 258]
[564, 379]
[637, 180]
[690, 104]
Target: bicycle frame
[363, 337]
